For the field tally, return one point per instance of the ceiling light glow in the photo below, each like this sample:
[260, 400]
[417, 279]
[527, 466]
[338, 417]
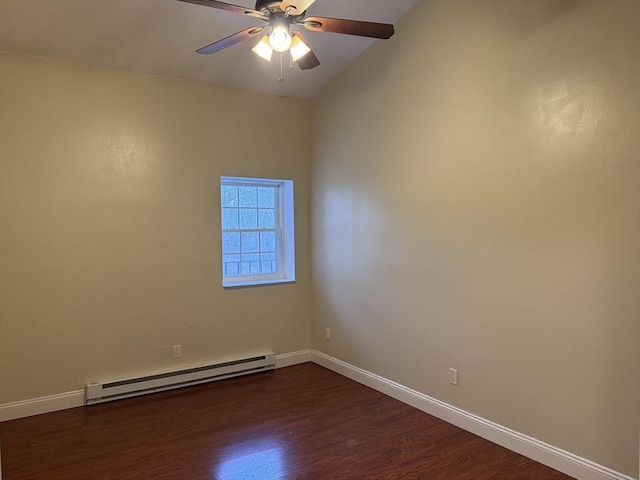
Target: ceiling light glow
[298, 48]
[263, 49]
[280, 40]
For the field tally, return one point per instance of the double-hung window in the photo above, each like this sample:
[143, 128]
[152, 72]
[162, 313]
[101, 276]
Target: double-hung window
[257, 231]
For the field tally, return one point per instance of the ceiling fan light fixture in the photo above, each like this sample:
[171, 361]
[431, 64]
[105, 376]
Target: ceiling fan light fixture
[298, 48]
[280, 38]
[263, 49]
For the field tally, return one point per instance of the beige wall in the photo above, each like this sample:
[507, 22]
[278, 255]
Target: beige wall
[110, 224]
[475, 205]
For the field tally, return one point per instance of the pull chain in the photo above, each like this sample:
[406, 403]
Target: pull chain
[281, 79]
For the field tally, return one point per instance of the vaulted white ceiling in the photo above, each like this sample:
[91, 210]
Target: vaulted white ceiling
[160, 37]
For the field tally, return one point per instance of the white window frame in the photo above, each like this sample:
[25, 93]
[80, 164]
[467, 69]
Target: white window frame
[284, 225]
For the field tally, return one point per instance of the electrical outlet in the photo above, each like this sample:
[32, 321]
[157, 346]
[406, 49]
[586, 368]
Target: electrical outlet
[177, 351]
[327, 334]
[453, 376]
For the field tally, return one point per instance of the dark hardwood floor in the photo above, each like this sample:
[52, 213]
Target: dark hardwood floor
[301, 422]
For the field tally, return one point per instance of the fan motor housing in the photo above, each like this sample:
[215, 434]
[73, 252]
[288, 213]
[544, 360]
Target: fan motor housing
[273, 7]
[268, 4]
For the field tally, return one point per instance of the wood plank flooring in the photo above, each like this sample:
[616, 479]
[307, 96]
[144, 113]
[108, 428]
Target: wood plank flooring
[301, 422]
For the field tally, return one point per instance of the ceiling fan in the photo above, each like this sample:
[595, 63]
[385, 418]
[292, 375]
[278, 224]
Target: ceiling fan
[282, 16]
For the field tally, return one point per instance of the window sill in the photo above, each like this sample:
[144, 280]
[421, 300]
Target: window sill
[258, 283]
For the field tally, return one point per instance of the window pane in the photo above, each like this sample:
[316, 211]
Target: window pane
[246, 268]
[251, 257]
[231, 258]
[229, 218]
[268, 267]
[266, 197]
[269, 257]
[248, 218]
[266, 218]
[269, 263]
[230, 269]
[229, 196]
[268, 241]
[248, 196]
[250, 264]
[230, 265]
[250, 242]
[230, 243]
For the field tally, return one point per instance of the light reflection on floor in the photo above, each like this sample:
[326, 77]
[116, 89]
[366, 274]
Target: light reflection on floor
[261, 458]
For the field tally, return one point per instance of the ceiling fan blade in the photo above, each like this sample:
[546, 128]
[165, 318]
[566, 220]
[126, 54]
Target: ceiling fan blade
[229, 7]
[308, 60]
[299, 6]
[348, 27]
[231, 40]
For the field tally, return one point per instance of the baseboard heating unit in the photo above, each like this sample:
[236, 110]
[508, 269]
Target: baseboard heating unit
[106, 392]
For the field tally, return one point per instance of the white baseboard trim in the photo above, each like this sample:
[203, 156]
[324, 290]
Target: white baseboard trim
[36, 406]
[293, 358]
[62, 401]
[554, 457]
